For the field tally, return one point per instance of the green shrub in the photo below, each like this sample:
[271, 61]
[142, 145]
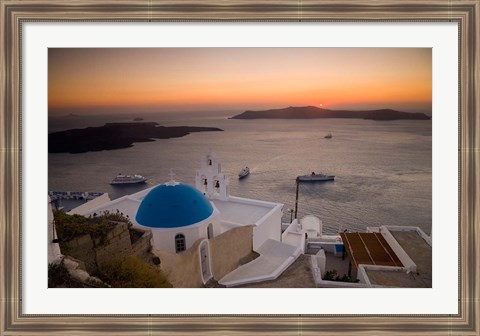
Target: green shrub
[116, 216]
[58, 276]
[69, 227]
[333, 276]
[132, 273]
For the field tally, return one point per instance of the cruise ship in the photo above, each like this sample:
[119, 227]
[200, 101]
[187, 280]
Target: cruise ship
[314, 177]
[128, 179]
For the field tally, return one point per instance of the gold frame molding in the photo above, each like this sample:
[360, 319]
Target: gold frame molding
[13, 13]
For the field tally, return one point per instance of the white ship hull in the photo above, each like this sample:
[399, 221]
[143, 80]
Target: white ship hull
[244, 172]
[315, 178]
[128, 179]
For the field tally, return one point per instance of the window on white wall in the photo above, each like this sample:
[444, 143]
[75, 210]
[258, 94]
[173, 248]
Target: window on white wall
[180, 243]
[210, 231]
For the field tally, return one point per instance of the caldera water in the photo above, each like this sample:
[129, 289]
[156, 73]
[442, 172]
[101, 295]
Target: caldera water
[383, 169]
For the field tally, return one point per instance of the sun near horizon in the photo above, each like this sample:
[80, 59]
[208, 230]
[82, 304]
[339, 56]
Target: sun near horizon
[142, 80]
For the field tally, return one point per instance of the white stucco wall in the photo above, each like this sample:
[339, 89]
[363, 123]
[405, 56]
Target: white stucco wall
[126, 205]
[399, 251]
[164, 239]
[269, 227]
[96, 202]
[54, 254]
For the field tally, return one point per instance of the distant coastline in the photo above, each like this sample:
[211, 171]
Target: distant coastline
[313, 112]
[115, 136]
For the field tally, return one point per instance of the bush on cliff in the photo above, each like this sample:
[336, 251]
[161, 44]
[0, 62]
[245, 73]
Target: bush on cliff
[132, 273]
[69, 227]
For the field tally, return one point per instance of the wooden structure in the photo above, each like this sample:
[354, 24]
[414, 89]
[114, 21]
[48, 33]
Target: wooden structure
[369, 249]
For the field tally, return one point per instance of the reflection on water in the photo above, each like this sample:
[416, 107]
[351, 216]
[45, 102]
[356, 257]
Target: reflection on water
[383, 169]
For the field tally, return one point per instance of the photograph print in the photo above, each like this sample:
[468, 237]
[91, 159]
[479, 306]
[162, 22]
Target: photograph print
[240, 167]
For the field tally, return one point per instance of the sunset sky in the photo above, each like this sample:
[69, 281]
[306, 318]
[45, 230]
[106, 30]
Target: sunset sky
[188, 79]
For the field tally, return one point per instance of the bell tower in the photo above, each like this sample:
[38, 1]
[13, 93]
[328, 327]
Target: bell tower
[209, 178]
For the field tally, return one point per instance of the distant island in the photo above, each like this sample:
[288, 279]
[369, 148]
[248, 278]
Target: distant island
[313, 112]
[115, 136]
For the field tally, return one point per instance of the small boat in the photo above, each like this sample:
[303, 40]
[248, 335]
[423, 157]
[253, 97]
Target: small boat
[128, 179]
[244, 172]
[328, 136]
[314, 177]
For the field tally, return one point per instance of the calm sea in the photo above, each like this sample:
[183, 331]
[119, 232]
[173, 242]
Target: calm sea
[383, 169]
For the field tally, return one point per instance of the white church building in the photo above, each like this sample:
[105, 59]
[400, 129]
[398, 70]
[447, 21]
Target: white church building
[179, 215]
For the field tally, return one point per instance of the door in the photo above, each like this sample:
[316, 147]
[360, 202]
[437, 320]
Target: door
[205, 261]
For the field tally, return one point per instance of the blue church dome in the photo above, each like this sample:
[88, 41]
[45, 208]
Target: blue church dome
[173, 205]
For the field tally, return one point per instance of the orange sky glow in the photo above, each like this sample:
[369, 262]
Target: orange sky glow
[180, 79]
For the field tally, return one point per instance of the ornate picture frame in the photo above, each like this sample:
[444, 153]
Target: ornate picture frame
[14, 13]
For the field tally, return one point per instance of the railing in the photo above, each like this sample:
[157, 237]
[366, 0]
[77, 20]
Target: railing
[54, 195]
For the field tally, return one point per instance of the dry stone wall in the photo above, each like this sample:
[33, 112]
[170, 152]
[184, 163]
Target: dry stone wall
[82, 248]
[142, 246]
[116, 244]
